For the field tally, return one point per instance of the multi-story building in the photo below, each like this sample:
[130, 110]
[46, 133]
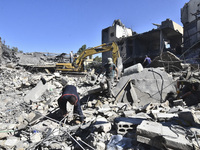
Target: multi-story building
[133, 47]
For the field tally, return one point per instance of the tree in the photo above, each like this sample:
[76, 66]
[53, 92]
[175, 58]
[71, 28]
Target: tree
[81, 49]
[98, 59]
[15, 49]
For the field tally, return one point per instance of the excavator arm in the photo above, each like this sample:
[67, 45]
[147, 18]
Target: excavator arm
[77, 65]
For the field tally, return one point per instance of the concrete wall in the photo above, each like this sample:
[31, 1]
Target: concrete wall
[114, 33]
[177, 27]
[123, 31]
[134, 47]
[173, 25]
[190, 17]
[189, 8]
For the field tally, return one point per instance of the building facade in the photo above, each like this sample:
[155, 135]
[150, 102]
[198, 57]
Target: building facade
[190, 17]
[133, 47]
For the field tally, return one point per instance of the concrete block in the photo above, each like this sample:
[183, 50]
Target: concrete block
[154, 133]
[129, 113]
[125, 125]
[133, 69]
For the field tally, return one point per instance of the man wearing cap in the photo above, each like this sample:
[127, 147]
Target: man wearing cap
[69, 94]
[110, 74]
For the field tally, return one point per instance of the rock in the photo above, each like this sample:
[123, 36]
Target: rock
[36, 137]
[11, 141]
[102, 124]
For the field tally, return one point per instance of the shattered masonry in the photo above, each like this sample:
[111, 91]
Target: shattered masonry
[147, 110]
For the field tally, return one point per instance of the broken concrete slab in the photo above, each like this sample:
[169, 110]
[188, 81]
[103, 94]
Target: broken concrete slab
[11, 141]
[152, 81]
[36, 92]
[164, 116]
[157, 135]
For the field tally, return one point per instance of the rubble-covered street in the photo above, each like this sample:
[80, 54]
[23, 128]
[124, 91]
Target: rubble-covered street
[142, 94]
[144, 112]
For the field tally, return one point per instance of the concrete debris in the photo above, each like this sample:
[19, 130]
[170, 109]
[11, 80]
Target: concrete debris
[133, 69]
[142, 113]
[150, 108]
[162, 137]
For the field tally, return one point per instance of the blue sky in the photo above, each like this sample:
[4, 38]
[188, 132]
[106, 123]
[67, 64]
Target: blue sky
[61, 26]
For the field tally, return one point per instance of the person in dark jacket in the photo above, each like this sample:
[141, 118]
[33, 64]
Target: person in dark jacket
[69, 94]
[192, 97]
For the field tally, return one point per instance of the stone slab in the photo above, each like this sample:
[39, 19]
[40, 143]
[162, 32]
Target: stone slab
[36, 92]
[156, 132]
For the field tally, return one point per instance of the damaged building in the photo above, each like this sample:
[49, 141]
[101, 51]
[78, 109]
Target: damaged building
[147, 109]
[133, 47]
[190, 17]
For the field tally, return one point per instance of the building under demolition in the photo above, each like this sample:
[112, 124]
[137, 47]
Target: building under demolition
[168, 36]
[133, 47]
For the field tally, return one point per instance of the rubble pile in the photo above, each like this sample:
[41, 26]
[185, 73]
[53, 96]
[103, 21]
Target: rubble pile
[144, 112]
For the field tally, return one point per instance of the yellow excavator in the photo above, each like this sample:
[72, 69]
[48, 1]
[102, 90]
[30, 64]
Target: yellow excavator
[78, 63]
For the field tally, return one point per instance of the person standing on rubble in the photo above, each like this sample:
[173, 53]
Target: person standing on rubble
[147, 61]
[70, 94]
[110, 74]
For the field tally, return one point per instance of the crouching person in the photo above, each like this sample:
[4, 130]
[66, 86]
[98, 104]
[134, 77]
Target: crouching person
[69, 94]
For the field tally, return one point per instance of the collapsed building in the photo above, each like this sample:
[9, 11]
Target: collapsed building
[133, 47]
[145, 111]
[138, 116]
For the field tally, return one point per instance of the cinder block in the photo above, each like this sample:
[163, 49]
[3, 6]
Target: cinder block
[125, 125]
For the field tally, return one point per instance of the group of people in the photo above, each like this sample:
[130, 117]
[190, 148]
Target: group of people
[70, 94]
